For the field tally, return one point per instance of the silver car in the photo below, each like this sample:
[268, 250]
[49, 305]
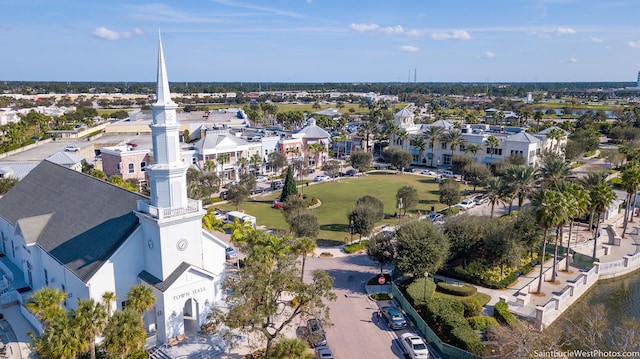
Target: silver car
[324, 352]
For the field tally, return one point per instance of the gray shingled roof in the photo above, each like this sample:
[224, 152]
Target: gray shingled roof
[523, 137]
[88, 219]
[65, 158]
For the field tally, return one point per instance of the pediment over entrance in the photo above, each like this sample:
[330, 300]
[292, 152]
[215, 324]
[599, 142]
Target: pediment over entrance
[184, 274]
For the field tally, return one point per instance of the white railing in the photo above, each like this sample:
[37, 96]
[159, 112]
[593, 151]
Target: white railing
[163, 212]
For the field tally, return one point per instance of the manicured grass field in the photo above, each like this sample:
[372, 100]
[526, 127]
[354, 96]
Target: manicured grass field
[338, 198]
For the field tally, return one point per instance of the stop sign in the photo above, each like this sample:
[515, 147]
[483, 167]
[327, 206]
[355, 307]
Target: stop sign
[381, 279]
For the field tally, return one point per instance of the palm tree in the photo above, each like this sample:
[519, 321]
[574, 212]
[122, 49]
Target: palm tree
[601, 196]
[562, 213]
[554, 171]
[579, 206]
[222, 158]
[256, 162]
[589, 182]
[498, 117]
[538, 116]
[209, 166]
[547, 206]
[140, 298]
[315, 149]
[493, 143]
[124, 334]
[46, 304]
[340, 138]
[304, 246]
[61, 339]
[211, 223]
[367, 128]
[522, 181]
[243, 162]
[557, 135]
[90, 318]
[420, 145]
[433, 134]
[494, 188]
[454, 139]
[473, 148]
[630, 183]
[107, 299]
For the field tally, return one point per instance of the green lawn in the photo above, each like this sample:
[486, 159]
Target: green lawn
[338, 198]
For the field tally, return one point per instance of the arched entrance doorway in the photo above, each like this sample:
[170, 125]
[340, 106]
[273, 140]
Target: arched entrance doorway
[191, 313]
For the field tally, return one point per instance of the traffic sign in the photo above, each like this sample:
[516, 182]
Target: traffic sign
[381, 280]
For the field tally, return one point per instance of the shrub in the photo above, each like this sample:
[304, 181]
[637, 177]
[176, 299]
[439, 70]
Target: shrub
[416, 291]
[451, 211]
[314, 201]
[447, 316]
[482, 322]
[381, 296]
[503, 315]
[354, 247]
[472, 307]
[212, 200]
[459, 290]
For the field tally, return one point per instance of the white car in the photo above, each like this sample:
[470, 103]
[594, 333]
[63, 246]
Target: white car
[414, 346]
[72, 149]
[262, 179]
[466, 204]
[321, 178]
[428, 173]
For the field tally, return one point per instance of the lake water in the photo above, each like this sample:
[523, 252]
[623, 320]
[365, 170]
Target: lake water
[621, 297]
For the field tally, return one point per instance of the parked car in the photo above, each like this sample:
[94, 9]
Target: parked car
[394, 317]
[257, 191]
[223, 195]
[321, 178]
[352, 172]
[414, 346]
[324, 352]
[481, 199]
[428, 173]
[466, 204]
[316, 334]
[262, 178]
[277, 185]
[436, 217]
[230, 253]
[72, 148]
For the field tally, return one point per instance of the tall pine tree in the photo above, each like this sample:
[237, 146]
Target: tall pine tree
[289, 188]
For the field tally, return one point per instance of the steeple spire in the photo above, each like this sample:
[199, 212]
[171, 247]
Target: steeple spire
[163, 94]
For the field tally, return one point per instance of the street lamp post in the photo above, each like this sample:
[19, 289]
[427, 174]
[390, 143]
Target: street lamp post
[400, 205]
[424, 293]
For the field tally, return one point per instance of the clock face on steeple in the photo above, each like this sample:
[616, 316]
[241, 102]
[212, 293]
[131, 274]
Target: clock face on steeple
[182, 244]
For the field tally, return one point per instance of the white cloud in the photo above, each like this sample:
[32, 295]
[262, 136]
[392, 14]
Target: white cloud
[414, 33]
[409, 48]
[453, 35]
[565, 31]
[595, 39]
[138, 31]
[634, 44]
[571, 60]
[392, 30]
[106, 34]
[364, 27]
[488, 55]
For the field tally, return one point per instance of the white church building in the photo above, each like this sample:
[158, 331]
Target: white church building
[64, 229]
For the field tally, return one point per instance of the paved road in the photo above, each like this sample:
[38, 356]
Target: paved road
[354, 333]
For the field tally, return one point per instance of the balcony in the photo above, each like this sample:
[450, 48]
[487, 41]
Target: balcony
[166, 212]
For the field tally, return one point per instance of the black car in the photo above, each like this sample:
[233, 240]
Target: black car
[352, 172]
[316, 334]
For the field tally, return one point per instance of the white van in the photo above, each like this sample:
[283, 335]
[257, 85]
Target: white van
[447, 174]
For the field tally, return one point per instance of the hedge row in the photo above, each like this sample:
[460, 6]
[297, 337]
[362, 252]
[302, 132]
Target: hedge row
[472, 307]
[459, 290]
[503, 315]
[447, 315]
[482, 322]
[417, 292]
[354, 247]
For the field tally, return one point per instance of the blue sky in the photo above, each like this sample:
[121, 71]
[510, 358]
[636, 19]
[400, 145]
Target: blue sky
[321, 40]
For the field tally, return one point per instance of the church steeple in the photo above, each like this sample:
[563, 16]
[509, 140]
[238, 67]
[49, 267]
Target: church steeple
[163, 95]
[167, 174]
